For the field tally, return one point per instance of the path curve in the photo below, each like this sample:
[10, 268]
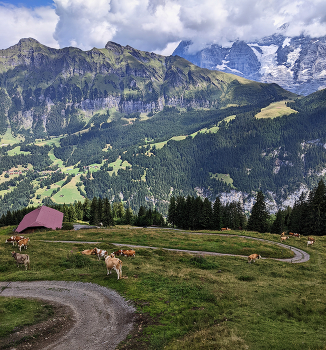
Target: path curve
[300, 256]
[102, 317]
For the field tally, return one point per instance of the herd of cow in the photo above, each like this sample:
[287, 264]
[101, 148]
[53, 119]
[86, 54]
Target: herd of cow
[21, 242]
[310, 241]
[111, 262]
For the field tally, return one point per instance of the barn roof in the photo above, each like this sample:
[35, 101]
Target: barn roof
[41, 217]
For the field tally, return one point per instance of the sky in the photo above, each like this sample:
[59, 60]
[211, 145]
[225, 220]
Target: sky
[155, 25]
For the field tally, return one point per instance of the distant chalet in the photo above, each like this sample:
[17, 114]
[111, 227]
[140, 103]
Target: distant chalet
[41, 217]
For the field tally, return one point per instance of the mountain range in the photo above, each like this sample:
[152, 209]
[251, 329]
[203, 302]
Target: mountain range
[138, 127]
[298, 64]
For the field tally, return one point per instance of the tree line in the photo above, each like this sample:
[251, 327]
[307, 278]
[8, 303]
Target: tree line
[307, 217]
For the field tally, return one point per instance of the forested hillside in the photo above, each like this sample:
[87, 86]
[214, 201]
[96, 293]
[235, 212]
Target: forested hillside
[243, 139]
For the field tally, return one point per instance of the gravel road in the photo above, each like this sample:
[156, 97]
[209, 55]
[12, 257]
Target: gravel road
[102, 318]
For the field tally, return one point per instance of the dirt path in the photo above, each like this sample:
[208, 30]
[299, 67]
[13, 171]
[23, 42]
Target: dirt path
[101, 317]
[300, 256]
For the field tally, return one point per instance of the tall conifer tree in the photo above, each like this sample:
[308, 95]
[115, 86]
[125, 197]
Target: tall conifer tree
[258, 220]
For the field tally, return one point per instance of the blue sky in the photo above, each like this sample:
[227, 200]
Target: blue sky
[29, 3]
[155, 25]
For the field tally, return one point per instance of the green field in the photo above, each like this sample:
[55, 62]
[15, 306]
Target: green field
[196, 301]
[68, 193]
[274, 110]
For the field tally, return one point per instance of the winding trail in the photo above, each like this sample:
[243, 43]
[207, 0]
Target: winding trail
[102, 318]
[300, 256]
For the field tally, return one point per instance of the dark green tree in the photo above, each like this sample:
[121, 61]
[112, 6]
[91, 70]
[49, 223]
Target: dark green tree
[278, 224]
[258, 220]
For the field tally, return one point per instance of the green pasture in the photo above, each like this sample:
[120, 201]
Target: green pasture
[9, 139]
[15, 151]
[68, 193]
[223, 177]
[194, 301]
[274, 110]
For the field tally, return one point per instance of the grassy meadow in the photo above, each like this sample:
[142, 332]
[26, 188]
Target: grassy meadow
[193, 301]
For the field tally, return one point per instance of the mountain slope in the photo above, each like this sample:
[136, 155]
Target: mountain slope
[45, 91]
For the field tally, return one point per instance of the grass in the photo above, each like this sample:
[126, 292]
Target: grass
[274, 110]
[68, 193]
[195, 302]
[17, 312]
[223, 177]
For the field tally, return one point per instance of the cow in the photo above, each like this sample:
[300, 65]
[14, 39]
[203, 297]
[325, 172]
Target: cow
[100, 253]
[284, 238]
[128, 253]
[291, 233]
[89, 251]
[113, 263]
[253, 257]
[14, 239]
[22, 243]
[118, 252]
[283, 234]
[296, 235]
[225, 229]
[311, 239]
[310, 243]
[21, 259]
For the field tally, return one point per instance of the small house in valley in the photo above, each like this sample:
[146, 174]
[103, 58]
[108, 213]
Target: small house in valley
[42, 217]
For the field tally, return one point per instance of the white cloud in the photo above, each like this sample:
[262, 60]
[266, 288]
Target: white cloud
[156, 25]
[21, 22]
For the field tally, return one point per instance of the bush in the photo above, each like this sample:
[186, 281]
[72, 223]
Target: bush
[75, 261]
[67, 226]
[202, 263]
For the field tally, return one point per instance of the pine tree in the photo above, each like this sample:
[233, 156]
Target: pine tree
[316, 219]
[216, 218]
[128, 216]
[107, 217]
[258, 220]
[93, 217]
[172, 211]
[278, 224]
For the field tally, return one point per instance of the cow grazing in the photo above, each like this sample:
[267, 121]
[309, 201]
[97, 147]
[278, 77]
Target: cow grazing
[311, 239]
[100, 253]
[14, 239]
[253, 257]
[284, 238]
[118, 252]
[89, 251]
[21, 259]
[22, 243]
[113, 263]
[129, 252]
[296, 235]
[225, 229]
[291, 233]
[310, 243]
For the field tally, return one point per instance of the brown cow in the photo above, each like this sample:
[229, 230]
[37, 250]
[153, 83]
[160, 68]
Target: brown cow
[253, 257]
[22, 243]
[14, 239]
[128, 253]
[89, 251]
[113, 263]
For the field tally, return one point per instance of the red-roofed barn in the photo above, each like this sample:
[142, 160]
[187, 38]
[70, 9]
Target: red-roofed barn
[41, 217]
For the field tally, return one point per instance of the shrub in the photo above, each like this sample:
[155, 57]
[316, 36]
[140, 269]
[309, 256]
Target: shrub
[67, 226]
[75, 261]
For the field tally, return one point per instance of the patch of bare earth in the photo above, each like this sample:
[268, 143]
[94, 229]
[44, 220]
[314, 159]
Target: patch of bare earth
[40, 335]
